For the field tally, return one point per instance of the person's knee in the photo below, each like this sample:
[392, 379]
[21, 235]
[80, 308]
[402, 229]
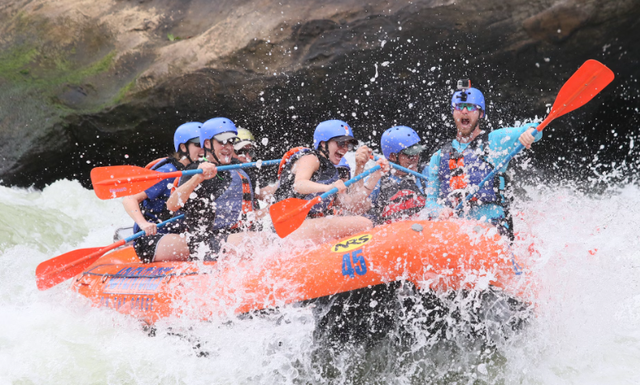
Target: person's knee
[172, 248]
[365, 223]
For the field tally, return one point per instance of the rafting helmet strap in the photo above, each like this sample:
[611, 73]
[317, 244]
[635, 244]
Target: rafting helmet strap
[213, 153]
[324, 151]
[183, 154]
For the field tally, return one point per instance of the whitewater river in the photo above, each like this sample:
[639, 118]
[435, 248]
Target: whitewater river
[586, 329]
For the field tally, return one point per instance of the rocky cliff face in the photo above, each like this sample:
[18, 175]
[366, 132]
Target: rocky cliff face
[85, 83]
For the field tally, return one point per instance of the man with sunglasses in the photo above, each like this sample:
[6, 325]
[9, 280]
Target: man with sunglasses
[218, 206]
[458, 167]
[149, 207]
[397, 195]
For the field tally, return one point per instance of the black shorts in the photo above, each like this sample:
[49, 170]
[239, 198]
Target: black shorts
[145, 247]
[212, 245]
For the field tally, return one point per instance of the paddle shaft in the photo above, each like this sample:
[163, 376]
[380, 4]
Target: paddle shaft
[490, 176]
[404, 169]
[110, 247]
[318, 199]
[562, 105]
[175, 174]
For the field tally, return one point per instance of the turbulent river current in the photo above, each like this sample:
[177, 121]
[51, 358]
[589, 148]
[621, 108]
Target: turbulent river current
[585, 328]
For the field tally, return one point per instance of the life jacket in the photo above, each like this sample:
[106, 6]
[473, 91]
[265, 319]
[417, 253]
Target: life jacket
[246, 218]
[459, 173]
[234, 206]
[155, 210]
[326, 174]
[399, 198]
[155, 164]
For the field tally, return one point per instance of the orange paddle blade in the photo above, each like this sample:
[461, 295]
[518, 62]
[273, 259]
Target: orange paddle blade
[288, 215]
[581, 87]
[118, 181]
[56, 270]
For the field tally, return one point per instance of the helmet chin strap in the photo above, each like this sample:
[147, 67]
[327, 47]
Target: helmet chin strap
[324, 150]
[185, 154]
[212, 154]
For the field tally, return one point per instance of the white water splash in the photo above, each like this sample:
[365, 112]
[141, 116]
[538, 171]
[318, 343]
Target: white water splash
[586, 329]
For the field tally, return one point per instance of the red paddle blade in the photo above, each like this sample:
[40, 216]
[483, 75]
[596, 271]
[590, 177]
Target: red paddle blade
[118, 181]
[56, 270]
[591, 78]
[288, 215]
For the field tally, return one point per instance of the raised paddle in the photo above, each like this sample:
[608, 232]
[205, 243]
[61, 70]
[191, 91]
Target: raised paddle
[118, 181]
[581, 87]
[288, 215]
[56, 270]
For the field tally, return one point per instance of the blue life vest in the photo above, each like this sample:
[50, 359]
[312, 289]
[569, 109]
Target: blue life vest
[154, 207]
[235, 202]
[326, 174]
[459, 173]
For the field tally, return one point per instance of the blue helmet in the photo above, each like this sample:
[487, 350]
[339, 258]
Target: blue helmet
[344, 170]
[185, 133]
[469, 95]
[344, 164]
[330, 129]
[399, 138]
[216, 126]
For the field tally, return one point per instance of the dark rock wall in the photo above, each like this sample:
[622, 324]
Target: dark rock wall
[373, 65]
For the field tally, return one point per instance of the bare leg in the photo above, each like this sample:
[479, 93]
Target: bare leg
[172, 247]
[321, 230]
[251, 242]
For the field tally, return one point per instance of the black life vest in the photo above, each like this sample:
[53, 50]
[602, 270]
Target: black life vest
[399, 198]
[326, 174]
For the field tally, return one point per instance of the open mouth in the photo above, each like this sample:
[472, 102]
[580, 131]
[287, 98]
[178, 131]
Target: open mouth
[465, 121]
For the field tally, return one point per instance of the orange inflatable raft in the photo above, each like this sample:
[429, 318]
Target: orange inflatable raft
[441, 256]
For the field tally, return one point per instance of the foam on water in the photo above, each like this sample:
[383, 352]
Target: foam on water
[586, 277]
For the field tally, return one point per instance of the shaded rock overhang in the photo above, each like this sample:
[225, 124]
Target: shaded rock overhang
[85, 84]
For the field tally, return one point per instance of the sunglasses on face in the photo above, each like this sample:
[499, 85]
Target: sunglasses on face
[348, 144]
[195, 142]
[224, 142]
[247, 151]
[403, 152]
[469, 106]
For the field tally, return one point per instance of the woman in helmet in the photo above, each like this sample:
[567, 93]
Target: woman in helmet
[218, 206]
[309, 173]
[245, 148]
[148, 208]
[245, 152]
[398, 195]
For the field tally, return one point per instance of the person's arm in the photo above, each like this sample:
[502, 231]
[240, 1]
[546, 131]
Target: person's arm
[303, 170]
[357, 201]
[363, 155]
[131, 205]
[432, 189]
[266, 193]
[182, 193]
[504, 140]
